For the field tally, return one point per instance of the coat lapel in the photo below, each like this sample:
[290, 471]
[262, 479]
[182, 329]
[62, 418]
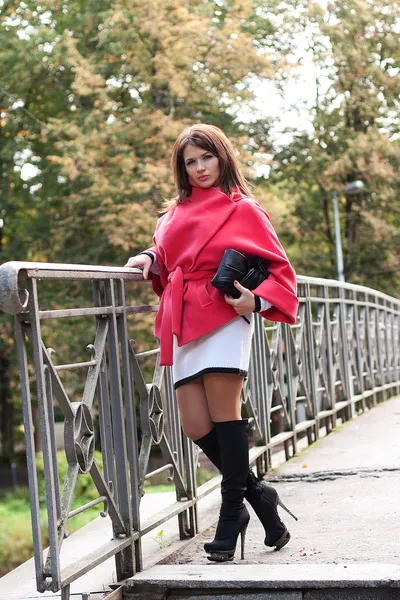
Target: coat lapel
[191, 225]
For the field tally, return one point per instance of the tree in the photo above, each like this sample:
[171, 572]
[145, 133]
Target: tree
[355, 44]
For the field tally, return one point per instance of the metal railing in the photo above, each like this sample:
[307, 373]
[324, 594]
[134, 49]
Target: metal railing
[341, 356]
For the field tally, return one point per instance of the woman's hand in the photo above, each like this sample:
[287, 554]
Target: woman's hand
[245, 303]
[141, 261]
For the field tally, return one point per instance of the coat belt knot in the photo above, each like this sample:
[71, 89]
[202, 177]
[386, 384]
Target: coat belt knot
[173, 319]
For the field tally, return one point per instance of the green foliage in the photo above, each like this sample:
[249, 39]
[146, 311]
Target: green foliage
[16, 545]
[159, 483]
[160, 539]
[355, 45]
[203, 475]
[84, 487]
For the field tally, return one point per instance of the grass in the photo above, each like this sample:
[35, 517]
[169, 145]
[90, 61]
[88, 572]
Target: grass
[16, 544]
[158, 489]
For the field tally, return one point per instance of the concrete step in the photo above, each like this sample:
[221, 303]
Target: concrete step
[365, 581]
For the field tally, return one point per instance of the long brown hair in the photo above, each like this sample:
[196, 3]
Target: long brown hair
[213, 140]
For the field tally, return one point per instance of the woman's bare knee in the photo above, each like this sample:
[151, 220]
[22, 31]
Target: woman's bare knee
[193, 409]
[195, 432]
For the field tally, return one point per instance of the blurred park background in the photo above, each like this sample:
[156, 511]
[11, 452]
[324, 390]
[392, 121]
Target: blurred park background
[93, 94]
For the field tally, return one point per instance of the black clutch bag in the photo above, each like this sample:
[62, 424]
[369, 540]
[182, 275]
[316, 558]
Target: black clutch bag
[249, 272]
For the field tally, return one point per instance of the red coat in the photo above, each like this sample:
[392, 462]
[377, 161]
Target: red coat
[190, 241]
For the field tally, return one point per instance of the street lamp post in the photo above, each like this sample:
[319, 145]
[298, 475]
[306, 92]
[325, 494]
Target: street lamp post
[338, 239]
[351, 189]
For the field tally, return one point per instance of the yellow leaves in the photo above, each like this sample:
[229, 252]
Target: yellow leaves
[125, 162]
[69, 168]
[130, 226]
[315, 10]
[180, 49]
[160, 16]
[181, 12]
[50, 4]
[111, 58]
[86, 83]
[233, 50]
[278, 205]
[86, 80]
[118, 16]
[37, 256]
[23, 133]
[370, 154]
[156, 177]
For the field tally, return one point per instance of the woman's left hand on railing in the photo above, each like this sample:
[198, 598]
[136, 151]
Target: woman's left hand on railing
[141, 261]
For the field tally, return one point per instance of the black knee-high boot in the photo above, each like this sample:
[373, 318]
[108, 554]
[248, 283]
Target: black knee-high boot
[263, 498]
[234, 516]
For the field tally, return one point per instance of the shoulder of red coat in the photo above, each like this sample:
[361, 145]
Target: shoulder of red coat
[250, 205]
[166, 216]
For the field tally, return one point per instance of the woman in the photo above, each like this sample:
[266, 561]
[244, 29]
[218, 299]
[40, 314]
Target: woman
[202, 333]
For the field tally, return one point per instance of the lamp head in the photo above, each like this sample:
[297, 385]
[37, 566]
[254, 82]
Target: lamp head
[354, 187]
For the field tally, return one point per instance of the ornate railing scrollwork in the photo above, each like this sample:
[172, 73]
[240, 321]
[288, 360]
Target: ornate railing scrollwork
[156, 415]
[79, 437]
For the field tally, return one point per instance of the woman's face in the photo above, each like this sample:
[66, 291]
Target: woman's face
[202, 166]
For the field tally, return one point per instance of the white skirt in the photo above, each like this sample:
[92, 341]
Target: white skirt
[224, 350]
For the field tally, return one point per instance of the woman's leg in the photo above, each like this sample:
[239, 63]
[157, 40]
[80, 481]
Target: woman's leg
[223, 410]
[197, 425]
[221, 388]
[212, 397]
[193, 409]
[223, 395]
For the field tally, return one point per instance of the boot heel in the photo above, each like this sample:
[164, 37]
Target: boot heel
[280, 503]
[242, 541]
